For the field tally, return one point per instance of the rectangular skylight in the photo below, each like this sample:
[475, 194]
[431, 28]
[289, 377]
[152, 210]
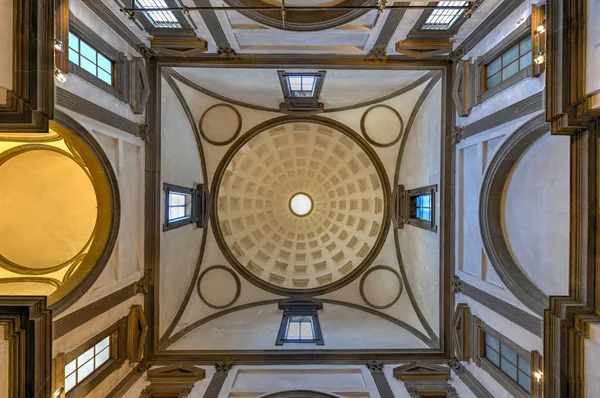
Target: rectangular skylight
[302, 85]
[158, 19]
[442, 17]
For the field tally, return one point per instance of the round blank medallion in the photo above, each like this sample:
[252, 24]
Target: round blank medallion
[218, 287]
[382, 125]
[220, 124]
[301, 204]
[380, 287]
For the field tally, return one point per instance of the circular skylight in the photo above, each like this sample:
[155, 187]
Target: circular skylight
[301, 204]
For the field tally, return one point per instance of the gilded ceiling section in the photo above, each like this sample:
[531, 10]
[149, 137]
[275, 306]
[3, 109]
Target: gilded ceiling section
[262, 233]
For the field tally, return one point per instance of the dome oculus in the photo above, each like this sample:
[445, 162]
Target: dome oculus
[301, 204]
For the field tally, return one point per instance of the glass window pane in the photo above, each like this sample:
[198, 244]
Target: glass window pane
[426, 214]
[105, 77]
[510, 70]
[172, 213]
[492, 355]
[508, 368]
[307, 83]
[525, 381]
[524, 365]
[87, 52]
[525, 61]
[508, 354]
[492, 342]
[295, 82]
[74, 57]
[73, 42]
[293, 331]
[102, 356]
[70, 382]
[86, 356]
[494, 66]
[103, 344]
[85, 370]
[525, 45]
[494, 80]
[104, 63]
[426, 200]
[420, 201]
[70, 368]
[306, 331]
[510, 56]
[419, 212]
[88, 66]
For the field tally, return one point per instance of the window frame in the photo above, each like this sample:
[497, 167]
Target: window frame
[417, 31]
[300, 308]
[118, 353]
[411, 196]
[199, 208]
[534, 358]
[184, 27]
[515, 37]
[120, 64]
[296, 104]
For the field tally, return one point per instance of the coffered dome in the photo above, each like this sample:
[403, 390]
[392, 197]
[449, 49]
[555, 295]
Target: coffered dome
[301, 205]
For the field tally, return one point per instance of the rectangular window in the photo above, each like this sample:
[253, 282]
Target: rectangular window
[301, 85]
[184, 206]
[300, 323]
[85, 364]
[158, 19]
[423, 207]
[180, 206]
[89, 59]
[420, 207]
[515, 366]
[513, 60]
[443, 17]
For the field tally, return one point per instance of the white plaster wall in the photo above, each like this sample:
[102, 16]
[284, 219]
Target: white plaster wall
[89, 91]
[3, 365]
[257, 327]
[515, 93]
[536, 213]
[592, 362]
[180, 165]
[126, 263]
[419, 167]
[6, 46]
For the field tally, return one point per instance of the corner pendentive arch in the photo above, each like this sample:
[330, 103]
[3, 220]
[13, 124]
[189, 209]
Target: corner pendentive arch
[490, 214]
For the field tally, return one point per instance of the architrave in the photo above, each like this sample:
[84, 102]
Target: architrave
[490, 210]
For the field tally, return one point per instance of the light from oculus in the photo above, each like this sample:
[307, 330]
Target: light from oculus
[301, 204]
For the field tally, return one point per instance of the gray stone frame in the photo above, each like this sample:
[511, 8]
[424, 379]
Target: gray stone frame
[119, 60]
[299, 307]
[479, 330]
[411, 193]
[185, 30]
[482, 61]
[417, 31]
[490, 210]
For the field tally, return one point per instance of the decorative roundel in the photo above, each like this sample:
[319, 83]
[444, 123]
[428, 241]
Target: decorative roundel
[220, 124]
[382, 125]
[219, 287]
[380, 287]
[300, 205]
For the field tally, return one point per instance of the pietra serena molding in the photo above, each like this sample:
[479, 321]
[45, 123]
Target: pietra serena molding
[490, 214]
[30, 102]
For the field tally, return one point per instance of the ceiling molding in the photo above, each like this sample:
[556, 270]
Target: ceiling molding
[423, 48]
[212, 23]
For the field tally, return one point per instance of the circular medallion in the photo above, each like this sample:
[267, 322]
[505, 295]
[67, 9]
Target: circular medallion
[382, 125]
[220, 124]
[218, 287]
[380, 287]
[300, 205]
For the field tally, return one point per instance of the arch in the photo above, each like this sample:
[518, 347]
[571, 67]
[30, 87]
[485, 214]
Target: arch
[490, 214]
[299, 394]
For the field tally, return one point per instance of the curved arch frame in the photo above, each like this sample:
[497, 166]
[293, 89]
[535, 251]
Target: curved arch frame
[490, 214]
[248, 274]
[299, 394]
[75, 287]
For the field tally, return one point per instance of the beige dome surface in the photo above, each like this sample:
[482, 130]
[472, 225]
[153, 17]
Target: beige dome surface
[342, 232]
